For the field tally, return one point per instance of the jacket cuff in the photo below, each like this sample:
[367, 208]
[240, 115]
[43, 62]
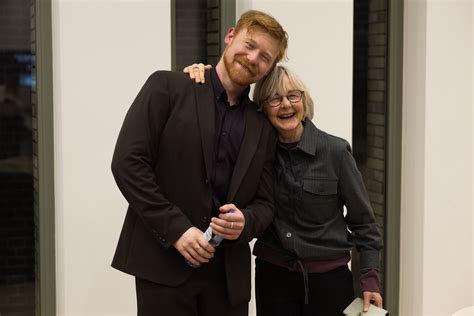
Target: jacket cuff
[174, 233]
[369, 259]
[245, 235]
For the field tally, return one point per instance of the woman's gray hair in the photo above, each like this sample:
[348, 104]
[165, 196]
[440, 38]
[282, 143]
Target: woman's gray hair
[275, 83]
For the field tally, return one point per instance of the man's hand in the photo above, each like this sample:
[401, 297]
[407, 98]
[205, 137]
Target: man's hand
[228, 225]
[193, 247]
[372, 296]
[196, 71]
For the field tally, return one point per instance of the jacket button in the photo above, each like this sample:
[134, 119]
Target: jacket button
[204, 219]
[288, 235]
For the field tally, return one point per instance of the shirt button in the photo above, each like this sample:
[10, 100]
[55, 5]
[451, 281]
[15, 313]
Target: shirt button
[288, 235]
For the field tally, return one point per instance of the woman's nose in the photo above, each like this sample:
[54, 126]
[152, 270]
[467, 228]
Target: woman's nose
[285, 102]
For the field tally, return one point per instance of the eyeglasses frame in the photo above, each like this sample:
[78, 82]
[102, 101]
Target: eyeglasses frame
[267, 100]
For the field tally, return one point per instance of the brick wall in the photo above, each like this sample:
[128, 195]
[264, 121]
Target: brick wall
[359, 90]
[369, 102]
[198, 35]
[14, 25]
[35, 164]
[191, 36]
[376, 109]
[214, 35]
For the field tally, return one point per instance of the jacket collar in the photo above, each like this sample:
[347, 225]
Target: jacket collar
[205, 108]
[253, 130]
[308, 139]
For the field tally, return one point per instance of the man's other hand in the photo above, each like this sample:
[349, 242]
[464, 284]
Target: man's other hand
[228, 225]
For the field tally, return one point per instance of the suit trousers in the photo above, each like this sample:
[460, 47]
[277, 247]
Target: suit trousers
[281, 292]
[203, 294]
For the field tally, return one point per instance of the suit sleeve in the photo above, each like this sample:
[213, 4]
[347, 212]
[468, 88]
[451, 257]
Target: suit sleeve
[360, 216]
[135, 156]
[259, 213]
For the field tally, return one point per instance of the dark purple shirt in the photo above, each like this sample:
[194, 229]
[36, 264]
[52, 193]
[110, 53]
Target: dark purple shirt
[229, 132]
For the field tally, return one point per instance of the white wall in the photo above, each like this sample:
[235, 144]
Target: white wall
[320, 52]
[437, 206]
[103, 51]
[472, 134]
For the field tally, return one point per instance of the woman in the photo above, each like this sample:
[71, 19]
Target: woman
[301, 265]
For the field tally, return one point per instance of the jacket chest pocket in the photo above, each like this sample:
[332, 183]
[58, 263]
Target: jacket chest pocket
[319, 200]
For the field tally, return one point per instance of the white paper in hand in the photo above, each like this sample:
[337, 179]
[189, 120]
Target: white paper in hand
[357, 306]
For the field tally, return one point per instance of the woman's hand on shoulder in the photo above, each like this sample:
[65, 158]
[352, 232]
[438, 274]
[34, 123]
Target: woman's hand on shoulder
[196, 71]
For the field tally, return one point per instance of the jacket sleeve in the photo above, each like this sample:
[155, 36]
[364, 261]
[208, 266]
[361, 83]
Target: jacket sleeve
[135, 156]
[259, 213]
[360, 216]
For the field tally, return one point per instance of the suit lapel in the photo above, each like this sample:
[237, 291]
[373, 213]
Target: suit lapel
[205, 108]
[253, 129]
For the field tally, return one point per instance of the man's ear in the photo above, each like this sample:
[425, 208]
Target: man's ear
[229, 36]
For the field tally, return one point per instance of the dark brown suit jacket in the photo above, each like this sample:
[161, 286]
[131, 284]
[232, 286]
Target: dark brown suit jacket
[163, 160]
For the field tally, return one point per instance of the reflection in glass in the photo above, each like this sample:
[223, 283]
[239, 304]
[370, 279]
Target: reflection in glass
[17, 228]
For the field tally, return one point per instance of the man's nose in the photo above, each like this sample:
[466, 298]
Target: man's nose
[252, 57]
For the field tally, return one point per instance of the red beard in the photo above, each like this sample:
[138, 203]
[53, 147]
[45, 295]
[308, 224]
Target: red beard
[243, 74]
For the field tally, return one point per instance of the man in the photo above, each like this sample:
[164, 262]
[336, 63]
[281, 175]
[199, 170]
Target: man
[186, 155]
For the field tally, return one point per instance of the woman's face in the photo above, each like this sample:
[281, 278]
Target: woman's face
[287, 116]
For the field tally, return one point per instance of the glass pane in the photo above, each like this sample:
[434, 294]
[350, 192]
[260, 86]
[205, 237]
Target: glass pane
[369, 105]
[191, 23]
[17, 228]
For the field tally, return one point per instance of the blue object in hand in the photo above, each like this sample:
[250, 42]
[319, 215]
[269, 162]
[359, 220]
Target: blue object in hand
[214, 240]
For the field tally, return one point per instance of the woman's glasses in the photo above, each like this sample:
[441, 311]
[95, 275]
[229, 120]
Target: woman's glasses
[293, 96]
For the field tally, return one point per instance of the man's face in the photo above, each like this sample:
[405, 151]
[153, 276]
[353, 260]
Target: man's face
[249, 56]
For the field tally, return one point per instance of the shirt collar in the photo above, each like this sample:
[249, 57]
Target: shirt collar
[219, 90]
